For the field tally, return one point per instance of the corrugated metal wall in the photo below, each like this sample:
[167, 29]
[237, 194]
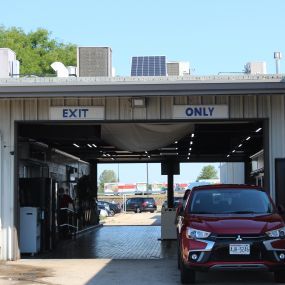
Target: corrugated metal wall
[119, 108]
[157, 108]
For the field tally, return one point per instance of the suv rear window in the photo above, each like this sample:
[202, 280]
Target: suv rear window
[148, 200]
[230, 201]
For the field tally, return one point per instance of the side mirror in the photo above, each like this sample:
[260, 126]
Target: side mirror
[281, 209]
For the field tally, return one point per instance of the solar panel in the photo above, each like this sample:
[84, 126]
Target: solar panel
[148, 66]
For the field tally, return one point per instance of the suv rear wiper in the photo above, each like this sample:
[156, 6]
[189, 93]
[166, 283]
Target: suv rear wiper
[244, 212]
[203, 213]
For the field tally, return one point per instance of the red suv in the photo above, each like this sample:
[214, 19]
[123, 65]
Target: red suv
[230, 227]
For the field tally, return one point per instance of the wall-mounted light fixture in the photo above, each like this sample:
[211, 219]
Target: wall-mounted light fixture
[138, 102]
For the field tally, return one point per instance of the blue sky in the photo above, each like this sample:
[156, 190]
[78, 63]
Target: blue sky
[213, 35]
[188, 172]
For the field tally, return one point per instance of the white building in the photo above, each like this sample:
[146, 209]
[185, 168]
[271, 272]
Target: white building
[59, 129]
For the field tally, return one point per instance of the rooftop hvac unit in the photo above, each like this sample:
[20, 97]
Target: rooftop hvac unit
[178, 68]
[94, 61]
[72, 70]
[9, 65]
[257, 67]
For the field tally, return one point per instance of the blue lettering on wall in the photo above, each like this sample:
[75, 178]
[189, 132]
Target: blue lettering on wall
[65, 113]
[72, 113]
[189, 112]
[75, 113]
[211, 110]
[200, 111]
[197, 112]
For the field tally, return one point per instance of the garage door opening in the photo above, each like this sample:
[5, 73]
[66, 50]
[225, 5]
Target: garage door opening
[52, 155]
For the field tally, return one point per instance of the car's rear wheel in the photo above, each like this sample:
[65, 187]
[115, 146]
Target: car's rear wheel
[178, 259]
[178, 253]
[187, 276]
[279, 276]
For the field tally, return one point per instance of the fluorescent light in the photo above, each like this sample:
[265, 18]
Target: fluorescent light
[228, 155]
[247, 139]
[76, 145]
[169, 153]
[240, 145]
[191, 142]
[234, 151]
[94, 145]
[192, 136]
[190, 148]
[176, 142]
[188, 157]
[89, 145]
[258, 130]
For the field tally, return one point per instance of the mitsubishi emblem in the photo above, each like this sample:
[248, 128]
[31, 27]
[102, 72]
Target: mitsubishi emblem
[238, 237]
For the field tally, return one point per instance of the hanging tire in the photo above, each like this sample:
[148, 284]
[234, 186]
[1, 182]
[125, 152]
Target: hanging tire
[279, 276]
[138, 210]
[187, 276]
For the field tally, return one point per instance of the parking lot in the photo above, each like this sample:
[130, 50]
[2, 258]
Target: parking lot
[126, 250]
[131, 219]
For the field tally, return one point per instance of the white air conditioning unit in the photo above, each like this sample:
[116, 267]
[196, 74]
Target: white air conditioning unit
[255, 67]
[72, 70]
[9, 65]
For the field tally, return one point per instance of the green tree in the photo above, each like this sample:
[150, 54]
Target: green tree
[107, 176]
[36, 51]
[208, 172]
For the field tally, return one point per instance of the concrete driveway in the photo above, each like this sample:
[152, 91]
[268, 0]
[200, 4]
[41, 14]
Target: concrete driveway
[117, 272]
[116, 254]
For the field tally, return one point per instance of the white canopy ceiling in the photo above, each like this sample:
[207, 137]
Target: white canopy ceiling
[144, 136]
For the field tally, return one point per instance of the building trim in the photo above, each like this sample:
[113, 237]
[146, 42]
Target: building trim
[162, 86]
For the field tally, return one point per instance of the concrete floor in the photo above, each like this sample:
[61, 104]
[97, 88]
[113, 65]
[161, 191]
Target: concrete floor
[115, 255]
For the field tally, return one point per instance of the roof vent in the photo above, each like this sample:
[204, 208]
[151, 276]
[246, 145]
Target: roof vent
[60, 69]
